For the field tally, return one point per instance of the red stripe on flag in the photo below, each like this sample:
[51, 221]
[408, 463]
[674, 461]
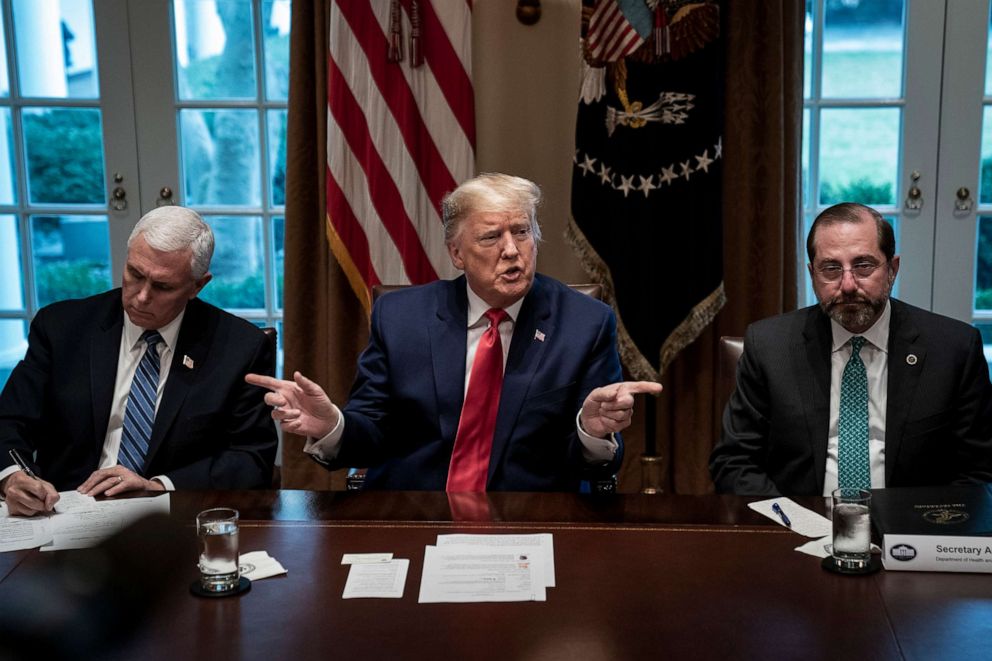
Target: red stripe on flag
[447, 68]
[350, 230]
[434, 174]
[383, 193]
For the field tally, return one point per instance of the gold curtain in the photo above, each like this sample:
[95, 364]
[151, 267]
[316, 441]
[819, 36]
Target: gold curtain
[761, 189]
[325, 328]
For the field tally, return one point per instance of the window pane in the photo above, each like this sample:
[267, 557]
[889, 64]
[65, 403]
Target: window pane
[220, 157]
[64, 155]
[805, 156]
[238, 263]
[983, 265]
[988, 61]
[71, 256]
[808, 51]
[8, 169]
[4, 80]
[215, 49]
[863, 49]
[277, 156]
[859, 150]
[275, 31]
[13, 346]
[278, 261]
[985, 186]
[56, 48]
[11, 285]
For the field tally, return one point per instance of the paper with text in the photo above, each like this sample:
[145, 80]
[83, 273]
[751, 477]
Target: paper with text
[542, 541]
[466, 573]
[376, 579]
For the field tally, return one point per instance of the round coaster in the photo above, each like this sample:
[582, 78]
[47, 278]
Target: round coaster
[873, 566]
[244, 585]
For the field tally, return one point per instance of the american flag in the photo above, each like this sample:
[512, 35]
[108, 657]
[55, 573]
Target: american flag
[617, 28]
[399, 136]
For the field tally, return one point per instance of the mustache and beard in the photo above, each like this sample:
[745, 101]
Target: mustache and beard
[856, 312]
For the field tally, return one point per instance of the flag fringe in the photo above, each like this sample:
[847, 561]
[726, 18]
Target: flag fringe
[355, 279]
[639, 367]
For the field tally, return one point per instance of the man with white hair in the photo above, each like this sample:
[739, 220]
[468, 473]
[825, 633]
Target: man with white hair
[141, 387]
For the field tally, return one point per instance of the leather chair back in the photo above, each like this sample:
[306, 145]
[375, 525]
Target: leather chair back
[729, 352]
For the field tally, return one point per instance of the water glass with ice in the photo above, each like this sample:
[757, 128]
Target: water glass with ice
[217, 530]
[851, 528]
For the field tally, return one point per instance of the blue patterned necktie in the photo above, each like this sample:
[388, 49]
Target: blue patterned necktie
[853, 469]
[140, 413]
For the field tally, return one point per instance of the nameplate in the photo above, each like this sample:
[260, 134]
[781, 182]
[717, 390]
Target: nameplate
[936, 553]
[935, 528]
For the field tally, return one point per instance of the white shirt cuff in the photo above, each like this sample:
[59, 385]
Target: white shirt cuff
[326, 448]
[596, 450]
[166, 482]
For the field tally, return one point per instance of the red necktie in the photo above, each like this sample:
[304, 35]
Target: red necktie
[469, 466]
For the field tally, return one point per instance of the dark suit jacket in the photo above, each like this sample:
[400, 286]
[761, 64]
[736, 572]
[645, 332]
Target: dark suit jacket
[405, 404]
[938, 417]
[212, 430]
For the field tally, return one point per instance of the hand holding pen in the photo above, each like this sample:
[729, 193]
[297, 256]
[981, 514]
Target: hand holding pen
[26, 493]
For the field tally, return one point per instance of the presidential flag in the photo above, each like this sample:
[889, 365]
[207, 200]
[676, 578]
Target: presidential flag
[400, 134]
[646, 180]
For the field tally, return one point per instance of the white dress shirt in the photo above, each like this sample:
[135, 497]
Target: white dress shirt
[128, 357]
[874, 354]
[594, 450]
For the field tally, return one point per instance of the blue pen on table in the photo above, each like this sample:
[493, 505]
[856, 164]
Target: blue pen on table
[781, 514]
[22, 464]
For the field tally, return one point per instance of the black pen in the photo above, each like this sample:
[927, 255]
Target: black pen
[781, 514]
[23, 466]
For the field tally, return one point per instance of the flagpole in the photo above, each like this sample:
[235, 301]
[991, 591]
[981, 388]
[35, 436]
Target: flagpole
[650, 462]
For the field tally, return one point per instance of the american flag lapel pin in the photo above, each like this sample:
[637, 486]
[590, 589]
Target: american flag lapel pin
[539, 336]
[187, 362]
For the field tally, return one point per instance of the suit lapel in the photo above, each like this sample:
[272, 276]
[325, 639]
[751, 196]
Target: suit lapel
[105, 346]
[193, 342]
[813, 368]
[522, 364]
[903, 380]
[446, 329]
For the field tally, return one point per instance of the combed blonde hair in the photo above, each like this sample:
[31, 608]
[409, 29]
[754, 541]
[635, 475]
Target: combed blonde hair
[491, 191]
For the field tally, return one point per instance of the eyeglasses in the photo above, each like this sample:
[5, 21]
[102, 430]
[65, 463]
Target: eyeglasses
[834, 272]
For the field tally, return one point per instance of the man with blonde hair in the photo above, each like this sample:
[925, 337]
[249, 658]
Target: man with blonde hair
[502, 379]
[141, 387]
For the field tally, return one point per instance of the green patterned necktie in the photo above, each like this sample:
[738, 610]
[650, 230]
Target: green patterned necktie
[852, 446]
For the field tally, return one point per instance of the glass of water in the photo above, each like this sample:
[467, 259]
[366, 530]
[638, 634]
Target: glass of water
[851, 528]
[217, 530]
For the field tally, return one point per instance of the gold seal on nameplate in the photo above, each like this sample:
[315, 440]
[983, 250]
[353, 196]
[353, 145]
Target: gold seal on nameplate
[945, 516]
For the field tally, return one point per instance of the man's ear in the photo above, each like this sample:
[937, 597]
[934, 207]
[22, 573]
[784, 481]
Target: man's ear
[201, 283]
[456, 256]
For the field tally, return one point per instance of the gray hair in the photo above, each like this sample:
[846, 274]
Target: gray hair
[491, 191]
[171, 228]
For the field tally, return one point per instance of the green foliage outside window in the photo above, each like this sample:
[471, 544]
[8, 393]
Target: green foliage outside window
[64, 161]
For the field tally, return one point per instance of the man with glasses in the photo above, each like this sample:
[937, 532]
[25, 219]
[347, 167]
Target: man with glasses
[862, 390]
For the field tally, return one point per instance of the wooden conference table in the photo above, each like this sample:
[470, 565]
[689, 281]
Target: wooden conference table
[699, 577]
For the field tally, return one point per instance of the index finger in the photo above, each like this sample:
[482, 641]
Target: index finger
[269, 382]
[639, 387]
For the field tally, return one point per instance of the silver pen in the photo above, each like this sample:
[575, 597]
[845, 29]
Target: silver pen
[22, 464]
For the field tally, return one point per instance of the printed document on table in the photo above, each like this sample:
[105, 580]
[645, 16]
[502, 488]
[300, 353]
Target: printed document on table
[540, 541]
[376, 579]
[22, 532]
[83, 529]
[465, 573]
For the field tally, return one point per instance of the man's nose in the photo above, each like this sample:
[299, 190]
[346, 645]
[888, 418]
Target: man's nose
[848, 283]
[508, 247]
